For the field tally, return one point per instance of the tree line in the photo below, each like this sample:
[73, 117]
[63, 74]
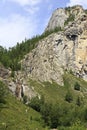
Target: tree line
[11, 57]
[59, 114]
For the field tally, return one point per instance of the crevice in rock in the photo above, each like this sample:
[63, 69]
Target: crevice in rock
[64, 47]
[58, 41]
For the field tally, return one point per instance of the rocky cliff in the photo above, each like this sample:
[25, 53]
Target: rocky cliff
[62, 16]
[64, 50]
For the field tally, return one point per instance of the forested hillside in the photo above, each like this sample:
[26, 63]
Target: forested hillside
[11, 57]
[43, 80]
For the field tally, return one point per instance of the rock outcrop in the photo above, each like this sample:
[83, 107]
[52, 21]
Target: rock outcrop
[18, 85]
[61, 16]
[64, 50]
[60, 51]
[4, 72]
[57, 16]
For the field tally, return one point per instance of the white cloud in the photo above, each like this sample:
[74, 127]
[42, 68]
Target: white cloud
[31, 10]
[77, 2]
[31, 6]
[15, 28]
[26, 2]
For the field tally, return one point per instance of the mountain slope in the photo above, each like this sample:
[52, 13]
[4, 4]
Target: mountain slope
[62, 16]
[14, 115]
[55, 93]
[52, 66]
[63, 50]
[54, 52]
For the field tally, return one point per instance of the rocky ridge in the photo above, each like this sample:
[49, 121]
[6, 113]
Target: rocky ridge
[61, 15]
[64, 50]
[18, 85]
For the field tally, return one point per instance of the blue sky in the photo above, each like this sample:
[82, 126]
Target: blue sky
[20, 19]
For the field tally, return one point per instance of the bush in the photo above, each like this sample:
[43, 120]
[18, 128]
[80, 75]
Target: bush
[12, 74]
[77, 86]
[78, 101]
[24, 99]
[2, 92]
[77, 126]
[36, 103]
[85, 114]
[69, 19]
[68, 97]
[71, 72]
[45, 112]
[86, 11]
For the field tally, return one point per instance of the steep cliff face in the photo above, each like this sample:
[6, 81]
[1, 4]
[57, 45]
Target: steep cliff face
[62, 16]
[57, 16]
[64, 50]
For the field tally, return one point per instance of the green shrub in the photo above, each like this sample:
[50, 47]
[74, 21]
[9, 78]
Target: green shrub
[2, 92]
[71, 72]
[78, 101]
[68, 9]
[77, 126]
[86, 11]
[85, 114]
[36, 103]
[45, 112]
[69, 97]
[12, 73]
[69, 19]
[25, 99]
[77, 86]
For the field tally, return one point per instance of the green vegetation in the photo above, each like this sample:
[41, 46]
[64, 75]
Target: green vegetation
[69, 97]
[69, 19]
[68, 9]
[58, 115]
[24, 99]
[77, 86]
[53, 110]
[3, 93]
[11, 58]
[79, 101]
[86, 11]
[63, 107]
[14, 115]
[76, 126]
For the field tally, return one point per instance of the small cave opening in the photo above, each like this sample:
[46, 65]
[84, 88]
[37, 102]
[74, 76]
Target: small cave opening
[72, 37]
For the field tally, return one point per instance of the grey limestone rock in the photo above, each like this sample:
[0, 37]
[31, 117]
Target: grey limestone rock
[57, 16]
[62, 50]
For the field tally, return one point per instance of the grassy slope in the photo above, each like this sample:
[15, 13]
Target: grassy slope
[13, 116]
[55, 93]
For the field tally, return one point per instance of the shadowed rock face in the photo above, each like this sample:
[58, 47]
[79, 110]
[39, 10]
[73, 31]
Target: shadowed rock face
[65, 50]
